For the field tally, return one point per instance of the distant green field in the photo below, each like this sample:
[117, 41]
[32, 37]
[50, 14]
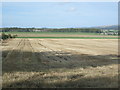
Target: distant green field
[62, 35]
[70, 33]
[74, 37]
[80, 33]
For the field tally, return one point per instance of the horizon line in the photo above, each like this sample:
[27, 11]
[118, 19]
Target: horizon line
[56, 27]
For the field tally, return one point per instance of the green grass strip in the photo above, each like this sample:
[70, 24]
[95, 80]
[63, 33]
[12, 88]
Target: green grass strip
[51, 33]
[74, 37]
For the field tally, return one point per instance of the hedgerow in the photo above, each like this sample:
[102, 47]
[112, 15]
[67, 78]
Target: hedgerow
[6, 36]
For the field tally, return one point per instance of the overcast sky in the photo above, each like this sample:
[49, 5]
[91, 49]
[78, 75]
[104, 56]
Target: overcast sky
[59, 14]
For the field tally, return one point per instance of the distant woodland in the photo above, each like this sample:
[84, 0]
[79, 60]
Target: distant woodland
[15, 29]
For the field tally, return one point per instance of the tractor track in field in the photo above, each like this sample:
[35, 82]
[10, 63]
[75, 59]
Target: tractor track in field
[82, 45]
[55, 53]
[38, 52]
[97, 44]
[11, 51]
[18, 47]
[70, 49]
[35, 52]
[13, 56]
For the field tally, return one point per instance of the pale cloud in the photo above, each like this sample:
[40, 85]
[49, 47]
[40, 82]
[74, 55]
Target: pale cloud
[72, 9]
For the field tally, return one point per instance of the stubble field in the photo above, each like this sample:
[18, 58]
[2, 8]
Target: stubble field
[50, 63]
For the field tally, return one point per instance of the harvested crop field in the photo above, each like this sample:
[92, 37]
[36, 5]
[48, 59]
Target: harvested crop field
[51, 63]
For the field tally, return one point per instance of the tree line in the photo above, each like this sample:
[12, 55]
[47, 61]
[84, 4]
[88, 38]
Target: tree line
[16, 29]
